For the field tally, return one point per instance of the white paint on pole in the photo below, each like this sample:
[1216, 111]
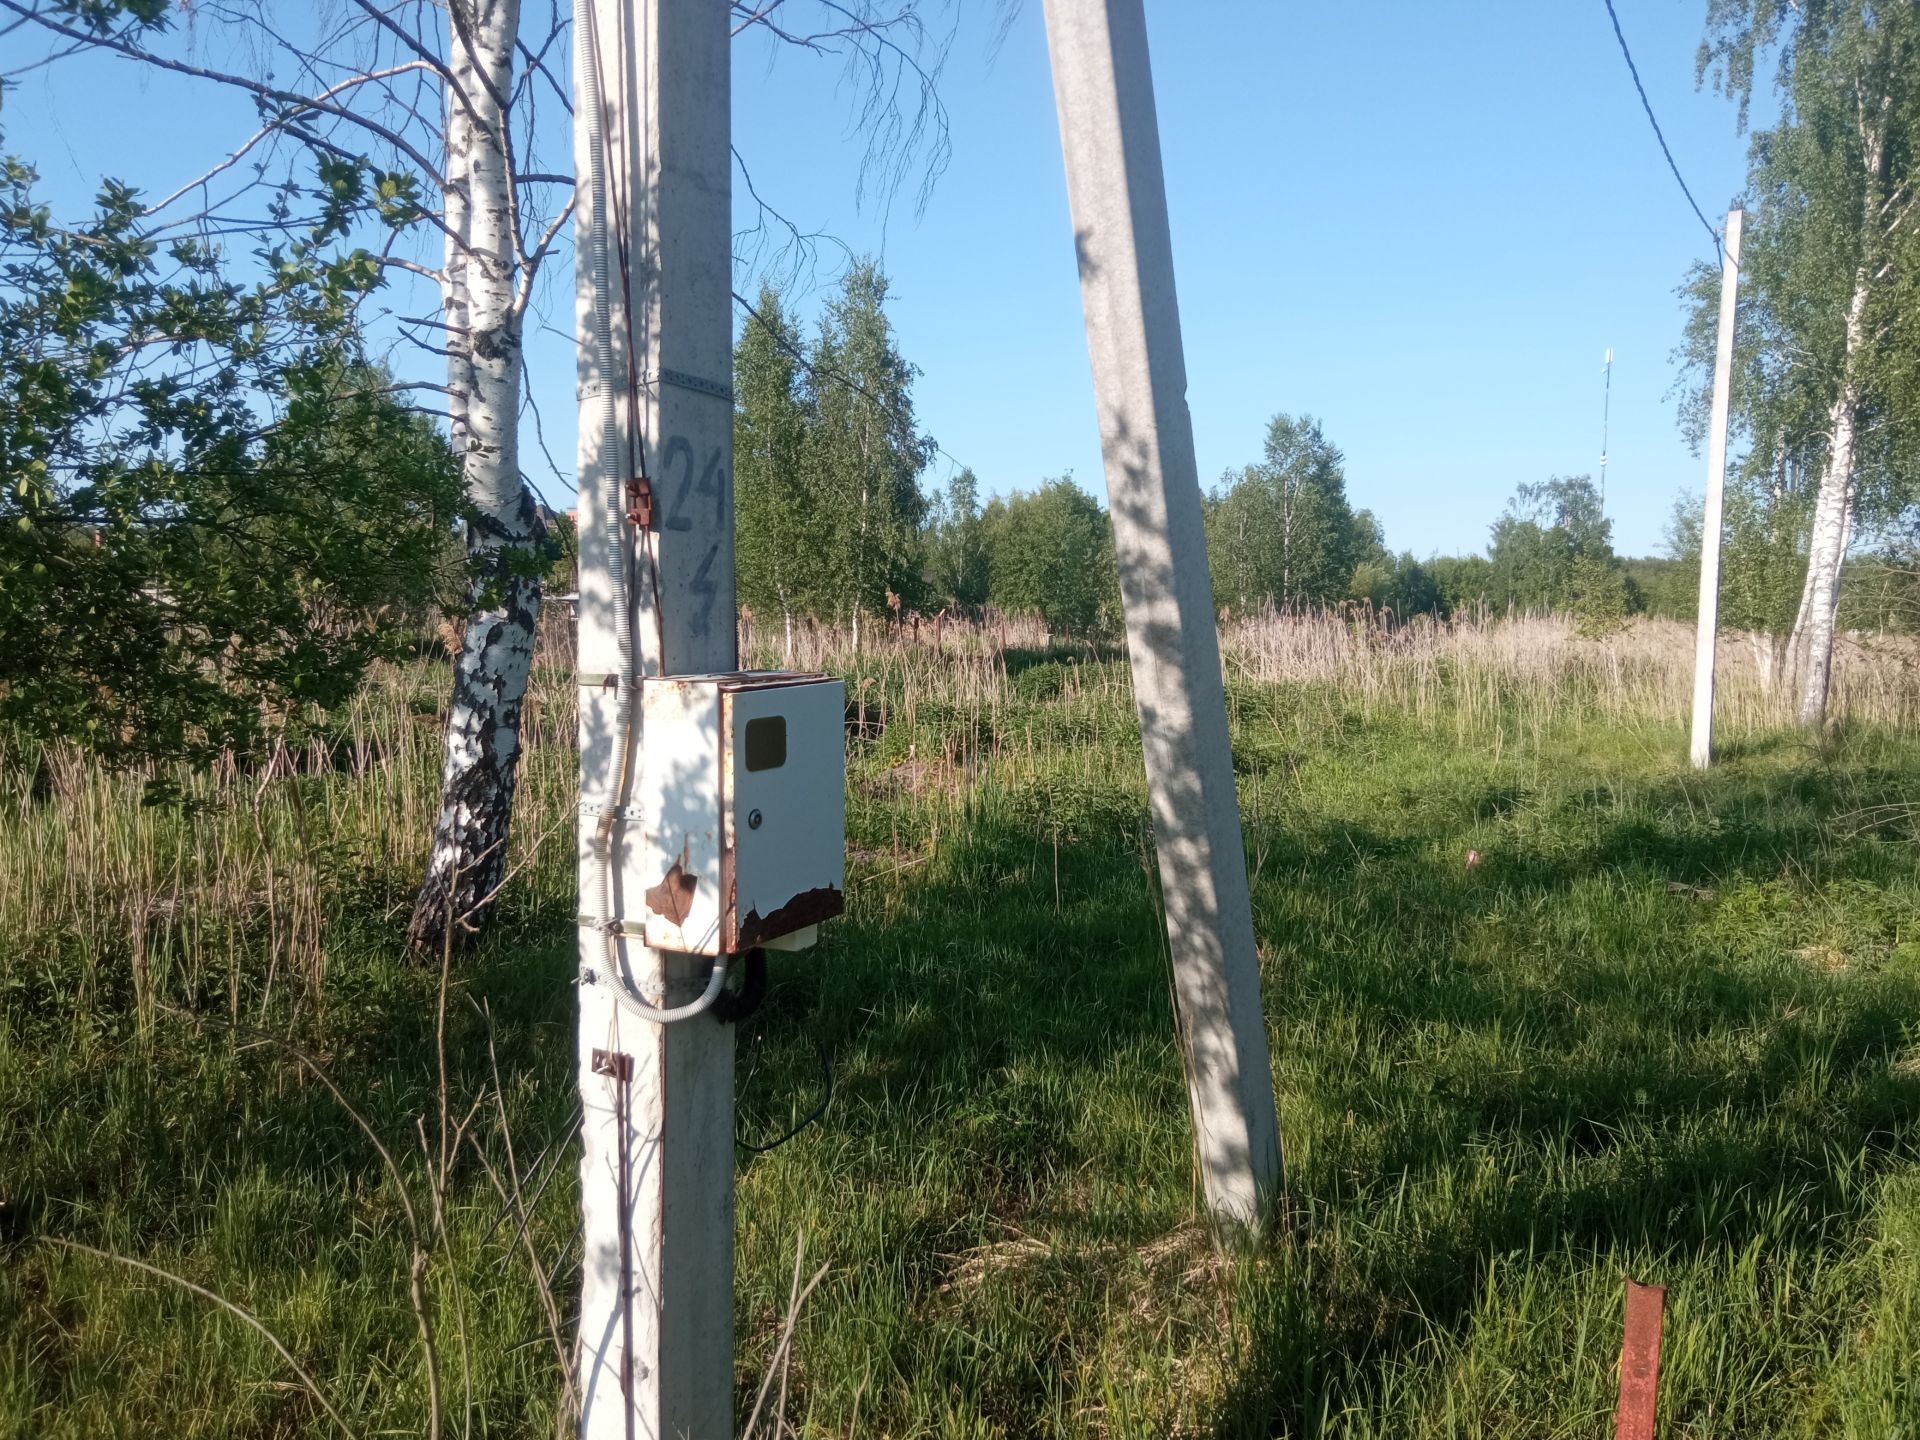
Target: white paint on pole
[1103, 85]
[1707, 627]
[656, 1314]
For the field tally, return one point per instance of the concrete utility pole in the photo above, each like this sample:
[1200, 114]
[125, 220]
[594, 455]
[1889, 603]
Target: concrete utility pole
[1707, 627]
[1103, 86]
[651, 137]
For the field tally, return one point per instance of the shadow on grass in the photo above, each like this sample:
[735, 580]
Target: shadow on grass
[1658, 1081]
[1653, 1070]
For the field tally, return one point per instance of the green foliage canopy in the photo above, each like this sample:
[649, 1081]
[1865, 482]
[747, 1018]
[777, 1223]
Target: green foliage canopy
[211, 507]
[1830, 220]
[960, 559]
[775, 558]
[1553, 550]
[830, 515]
[864, 457]
[1282, 532]
[1052, 555]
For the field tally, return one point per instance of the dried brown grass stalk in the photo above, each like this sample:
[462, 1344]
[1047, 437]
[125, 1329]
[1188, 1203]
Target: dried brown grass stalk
[780, 1363]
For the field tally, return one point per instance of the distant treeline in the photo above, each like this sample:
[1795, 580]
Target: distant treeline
[836, 520]
[1282, 533]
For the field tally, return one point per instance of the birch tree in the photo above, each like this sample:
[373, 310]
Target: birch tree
[453, 113]
[1831, 237]
[488, 279]
[961, 558]
[864, 454]
[1053, 557]
[432, 107]
[1282, 532]
[774, 507]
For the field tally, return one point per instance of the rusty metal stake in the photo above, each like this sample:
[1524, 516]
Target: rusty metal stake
[1640, 1362]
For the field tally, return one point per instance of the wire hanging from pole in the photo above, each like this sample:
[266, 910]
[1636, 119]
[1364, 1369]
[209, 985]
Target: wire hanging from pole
[1658, 134]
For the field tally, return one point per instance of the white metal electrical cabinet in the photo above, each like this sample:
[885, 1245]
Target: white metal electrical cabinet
[742, 790]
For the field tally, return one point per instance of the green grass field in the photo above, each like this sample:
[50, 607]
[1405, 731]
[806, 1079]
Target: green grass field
[1667, 1026]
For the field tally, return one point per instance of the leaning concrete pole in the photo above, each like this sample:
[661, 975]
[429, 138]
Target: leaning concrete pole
[1104, 89]
[1707, 628]
[654, 222]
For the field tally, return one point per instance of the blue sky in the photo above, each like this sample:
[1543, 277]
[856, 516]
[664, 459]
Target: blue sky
[1423, 223]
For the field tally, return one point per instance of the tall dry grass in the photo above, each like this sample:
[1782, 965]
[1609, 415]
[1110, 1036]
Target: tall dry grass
[1480, 670]
[241, 878]
[1470, 673]
[237, 887]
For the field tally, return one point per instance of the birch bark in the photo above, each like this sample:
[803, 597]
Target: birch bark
[459, 237]
[482, 759]
[1826, 551]
[1833, 509]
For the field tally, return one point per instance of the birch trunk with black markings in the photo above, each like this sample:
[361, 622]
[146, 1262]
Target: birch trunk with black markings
[1833, 508]
[468, 857]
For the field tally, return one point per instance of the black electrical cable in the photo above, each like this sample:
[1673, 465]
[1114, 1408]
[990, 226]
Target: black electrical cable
[813, 1115]
[733, 1006]
[1647, 105]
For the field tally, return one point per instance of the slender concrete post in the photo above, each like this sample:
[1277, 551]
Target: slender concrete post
[656, 1311]
[1707, 628]
[1103, 86]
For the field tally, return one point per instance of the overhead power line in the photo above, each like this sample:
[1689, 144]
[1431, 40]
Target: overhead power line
[1654, 121]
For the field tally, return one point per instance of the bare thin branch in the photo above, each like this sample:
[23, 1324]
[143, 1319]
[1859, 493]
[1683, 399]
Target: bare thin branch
[292, 98]
[275, 128]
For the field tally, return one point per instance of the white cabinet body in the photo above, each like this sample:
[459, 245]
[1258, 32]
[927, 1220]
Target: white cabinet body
[742, 790]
